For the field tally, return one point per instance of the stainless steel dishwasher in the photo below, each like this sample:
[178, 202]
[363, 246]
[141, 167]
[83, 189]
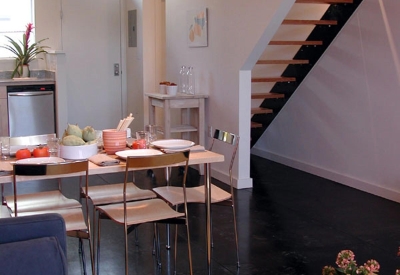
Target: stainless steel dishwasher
[31, 110]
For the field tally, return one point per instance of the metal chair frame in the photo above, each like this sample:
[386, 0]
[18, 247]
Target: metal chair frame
[59, 169]
[128, 213]
[197, 194]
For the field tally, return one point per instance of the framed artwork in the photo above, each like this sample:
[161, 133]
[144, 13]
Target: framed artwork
[196, 22]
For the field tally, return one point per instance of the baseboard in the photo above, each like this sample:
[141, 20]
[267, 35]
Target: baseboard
[358, 184]
[237, 183]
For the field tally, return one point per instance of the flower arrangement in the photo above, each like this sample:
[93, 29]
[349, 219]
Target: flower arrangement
[24, 52]
[347, 266]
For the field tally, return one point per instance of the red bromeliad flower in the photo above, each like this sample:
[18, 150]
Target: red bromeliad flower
[28, 31]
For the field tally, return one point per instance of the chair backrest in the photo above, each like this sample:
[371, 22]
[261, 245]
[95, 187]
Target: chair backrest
[53, 170]
[30, 140]
[228, 138]
[159, 161]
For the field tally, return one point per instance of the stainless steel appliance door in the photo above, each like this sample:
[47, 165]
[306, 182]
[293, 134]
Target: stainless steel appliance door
[31, 113]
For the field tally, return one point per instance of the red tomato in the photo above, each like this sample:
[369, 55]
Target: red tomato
[41, 151]
[23, 153]
[139, 144]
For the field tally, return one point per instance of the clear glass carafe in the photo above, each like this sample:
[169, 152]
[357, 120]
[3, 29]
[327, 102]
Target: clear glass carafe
[191, 81]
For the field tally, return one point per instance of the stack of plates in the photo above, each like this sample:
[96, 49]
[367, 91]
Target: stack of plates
[172, 143]
[164, 144]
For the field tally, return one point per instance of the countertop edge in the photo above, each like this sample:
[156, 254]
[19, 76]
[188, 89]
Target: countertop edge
[34, 81]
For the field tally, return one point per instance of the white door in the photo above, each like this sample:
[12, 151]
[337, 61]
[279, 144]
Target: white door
[91, 41]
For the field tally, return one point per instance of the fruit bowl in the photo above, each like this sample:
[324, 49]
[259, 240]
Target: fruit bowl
[78, 152]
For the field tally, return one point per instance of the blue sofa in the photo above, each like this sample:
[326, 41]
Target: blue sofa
[33, 245]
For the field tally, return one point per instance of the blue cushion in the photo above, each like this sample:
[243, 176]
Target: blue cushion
[36, 256]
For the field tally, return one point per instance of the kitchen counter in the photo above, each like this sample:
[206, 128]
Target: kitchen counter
[26, 81]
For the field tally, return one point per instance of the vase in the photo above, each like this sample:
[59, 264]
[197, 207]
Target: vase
[24, 71]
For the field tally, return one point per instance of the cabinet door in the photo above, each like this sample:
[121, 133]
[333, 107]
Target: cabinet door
[3, 111]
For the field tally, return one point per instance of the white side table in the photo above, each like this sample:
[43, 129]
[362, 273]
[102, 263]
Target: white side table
[192, 123]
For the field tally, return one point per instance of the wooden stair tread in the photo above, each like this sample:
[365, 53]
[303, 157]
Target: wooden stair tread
[260, 110]
[294, 42]
[256, 125]
[267, 95]
[284, 61]
[273, 79]
[308, 22]
[324, 1]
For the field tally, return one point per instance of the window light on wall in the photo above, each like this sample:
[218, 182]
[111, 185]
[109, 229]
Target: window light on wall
[14, 16]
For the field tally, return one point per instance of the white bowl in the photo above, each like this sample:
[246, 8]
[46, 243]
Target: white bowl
[172, 90]
[78, 152]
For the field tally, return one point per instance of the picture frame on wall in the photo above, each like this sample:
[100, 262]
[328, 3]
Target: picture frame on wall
[197, 27]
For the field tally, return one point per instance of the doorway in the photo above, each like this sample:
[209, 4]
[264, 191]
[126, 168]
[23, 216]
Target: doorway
[91, 38]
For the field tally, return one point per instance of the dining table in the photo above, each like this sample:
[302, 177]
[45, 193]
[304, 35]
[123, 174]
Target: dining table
[204, 157]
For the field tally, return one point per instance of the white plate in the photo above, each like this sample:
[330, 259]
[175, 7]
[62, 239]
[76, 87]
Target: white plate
[138, 153]
[172, 143]
[45, 160]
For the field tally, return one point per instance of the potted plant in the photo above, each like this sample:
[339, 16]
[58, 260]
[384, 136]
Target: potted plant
[347, 266]
[24, 53]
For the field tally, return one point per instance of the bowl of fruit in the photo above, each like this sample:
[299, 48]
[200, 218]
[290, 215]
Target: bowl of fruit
[78, 143]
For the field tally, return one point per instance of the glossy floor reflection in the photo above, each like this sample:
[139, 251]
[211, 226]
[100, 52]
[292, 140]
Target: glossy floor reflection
[291, 222]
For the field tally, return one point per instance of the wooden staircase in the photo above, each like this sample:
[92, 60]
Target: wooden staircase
[294, 70]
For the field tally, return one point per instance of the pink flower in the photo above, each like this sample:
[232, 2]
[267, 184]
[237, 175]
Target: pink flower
[28, 31]
[344, 258]
[372, 266]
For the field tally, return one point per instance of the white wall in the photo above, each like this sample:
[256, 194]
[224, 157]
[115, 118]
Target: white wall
[235, 28]
[342, 123]
[134, 67]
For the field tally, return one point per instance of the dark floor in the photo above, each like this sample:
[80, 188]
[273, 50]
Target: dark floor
[290, 222]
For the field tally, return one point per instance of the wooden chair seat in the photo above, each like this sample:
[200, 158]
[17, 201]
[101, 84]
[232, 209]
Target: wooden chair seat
[4, 212]
[41, 201]
[112, 193]
[74, 219]
[174, 194]
[139, 212]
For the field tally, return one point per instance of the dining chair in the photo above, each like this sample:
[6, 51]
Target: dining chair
[173, 194]
[134, 213]
[112, 193]
[77, 225]
[29, 142]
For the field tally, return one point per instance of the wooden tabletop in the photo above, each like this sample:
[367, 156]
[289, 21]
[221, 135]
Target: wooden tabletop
[194, 159]
[177, 96]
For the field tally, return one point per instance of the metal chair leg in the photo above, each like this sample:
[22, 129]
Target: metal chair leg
[236, 233]
[82, 250]
[136, 236]
[167, 175]
[189, 248]
[176, 247]
[98, 245]
[156, 245]
[212, 235]
[126, 251]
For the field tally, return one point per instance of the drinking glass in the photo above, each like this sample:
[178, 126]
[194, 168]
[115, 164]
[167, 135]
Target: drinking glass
[5, 148]
[152, 130]
[53, 145]
[142, 139]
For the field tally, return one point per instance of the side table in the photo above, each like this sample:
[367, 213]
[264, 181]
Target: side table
[191, 122]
